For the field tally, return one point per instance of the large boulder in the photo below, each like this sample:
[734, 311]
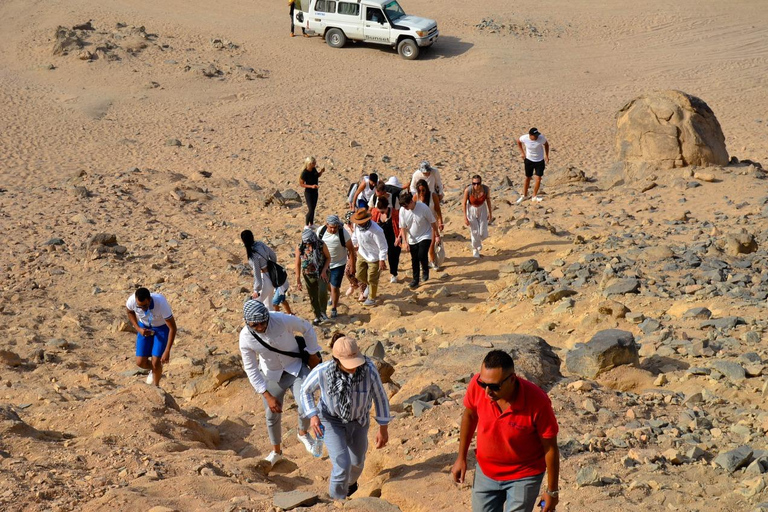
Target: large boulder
[606, 350]
[535, 360]
[669, 129]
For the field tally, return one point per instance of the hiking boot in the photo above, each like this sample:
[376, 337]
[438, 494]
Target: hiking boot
[424, 277]
[317, 321]
[413, 284]
[334, 313]
[352, 489]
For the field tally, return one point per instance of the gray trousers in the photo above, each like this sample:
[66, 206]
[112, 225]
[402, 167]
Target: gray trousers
[346, 444]
[277, 390]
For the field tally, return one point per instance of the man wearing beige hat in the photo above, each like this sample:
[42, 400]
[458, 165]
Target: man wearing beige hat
[349, 384]
[371, 251]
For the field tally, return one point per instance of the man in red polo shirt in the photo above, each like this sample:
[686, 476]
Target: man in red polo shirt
[516, 440]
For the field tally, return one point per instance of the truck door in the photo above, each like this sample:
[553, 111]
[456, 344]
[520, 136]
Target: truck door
[376, 27]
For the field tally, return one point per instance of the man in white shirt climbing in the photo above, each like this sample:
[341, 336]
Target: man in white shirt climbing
[534, 149]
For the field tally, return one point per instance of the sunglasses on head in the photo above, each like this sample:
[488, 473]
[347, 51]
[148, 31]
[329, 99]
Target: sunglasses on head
[493, 387]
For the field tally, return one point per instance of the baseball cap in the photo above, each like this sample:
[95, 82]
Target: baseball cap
[346, 351]
[534, 131]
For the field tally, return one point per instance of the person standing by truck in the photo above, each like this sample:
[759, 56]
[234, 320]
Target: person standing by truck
[310, 182]
[292, 7]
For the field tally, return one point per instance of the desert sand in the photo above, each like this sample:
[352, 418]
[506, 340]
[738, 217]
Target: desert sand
[170, 136]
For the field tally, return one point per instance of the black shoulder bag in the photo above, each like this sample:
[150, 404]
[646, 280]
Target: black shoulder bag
[301, 354]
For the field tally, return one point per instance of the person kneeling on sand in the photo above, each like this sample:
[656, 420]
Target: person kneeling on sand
[272, 360]
[151, 316]
[349, 384]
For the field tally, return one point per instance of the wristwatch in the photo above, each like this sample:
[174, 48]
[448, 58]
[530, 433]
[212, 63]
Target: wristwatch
[553, 494]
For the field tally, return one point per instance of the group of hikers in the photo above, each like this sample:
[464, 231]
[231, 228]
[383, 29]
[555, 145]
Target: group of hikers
[514, 420]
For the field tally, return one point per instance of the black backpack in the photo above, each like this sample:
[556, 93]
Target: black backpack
[339, 232]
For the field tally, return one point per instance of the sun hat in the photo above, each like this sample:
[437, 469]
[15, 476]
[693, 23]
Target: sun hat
[394, 182]
[425, 167]
[346, 351]
[361, 216]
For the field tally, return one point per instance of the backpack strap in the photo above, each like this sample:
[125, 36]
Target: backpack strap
[297, 355]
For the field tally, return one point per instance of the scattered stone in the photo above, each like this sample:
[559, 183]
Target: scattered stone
[613, 308]
[735, 244]
[606, 350]
[705, 176]
[698, 313]
[173, 142]
[733, 371]
[587, 477]
[733, 459]
[293, 499]
[529, 266]
[661, 380]
[370, 504]
[723, 324]
[621, 287]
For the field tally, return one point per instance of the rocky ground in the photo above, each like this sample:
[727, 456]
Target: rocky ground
[136, 148]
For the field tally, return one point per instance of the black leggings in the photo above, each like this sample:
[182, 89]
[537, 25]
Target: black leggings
[420, 256]
[310, 195]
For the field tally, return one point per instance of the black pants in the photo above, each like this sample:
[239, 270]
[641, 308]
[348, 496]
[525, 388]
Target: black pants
[393, 251]
[310, 195]
[420, 257]
[293, 7]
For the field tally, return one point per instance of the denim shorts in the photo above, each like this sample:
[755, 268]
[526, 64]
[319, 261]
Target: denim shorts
[337, 276]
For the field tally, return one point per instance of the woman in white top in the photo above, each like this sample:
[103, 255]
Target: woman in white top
[431, 199]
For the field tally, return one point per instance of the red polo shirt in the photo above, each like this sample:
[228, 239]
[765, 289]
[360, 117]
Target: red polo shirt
[509, 443]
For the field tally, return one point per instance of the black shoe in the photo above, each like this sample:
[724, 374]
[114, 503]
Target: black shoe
[413, 284]
[352, 489]
[425, 277]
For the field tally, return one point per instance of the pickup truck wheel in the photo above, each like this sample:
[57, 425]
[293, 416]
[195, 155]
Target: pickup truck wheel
[408, 49]
[335, 38]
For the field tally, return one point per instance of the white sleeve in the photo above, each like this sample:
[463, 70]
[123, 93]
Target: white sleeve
[164, 308]
[412, 185]
[438, 184]
[381, 241]
[295, 324]
[251, 363]
[430, 216]
[355, 242]
[131, 303]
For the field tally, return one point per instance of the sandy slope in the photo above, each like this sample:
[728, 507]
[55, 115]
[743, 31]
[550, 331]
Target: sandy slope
[461, 106]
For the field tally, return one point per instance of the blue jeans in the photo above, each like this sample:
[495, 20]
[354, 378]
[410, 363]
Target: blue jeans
[490, 495]
[347, 444]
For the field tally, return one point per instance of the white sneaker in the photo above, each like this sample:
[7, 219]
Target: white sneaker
[365, 293]
[150, 378]
[433, 265]
[307, 441]
[393, 279]
[521, 199]
[274, 457]
[475, 253]
[369, 302]
[535, 199]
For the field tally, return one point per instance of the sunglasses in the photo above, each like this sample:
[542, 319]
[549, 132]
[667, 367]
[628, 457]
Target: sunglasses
[475, 183]
[493, 387]
[256, 324]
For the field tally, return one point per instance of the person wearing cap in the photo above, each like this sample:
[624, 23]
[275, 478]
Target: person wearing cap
[371, 253]
[364, 191]
[534, 149]
[151, 316]
[418, 231]
[271, 373]
[312, 262]
[349, 384]
[516, 440]
[341, 250]
[429, 174]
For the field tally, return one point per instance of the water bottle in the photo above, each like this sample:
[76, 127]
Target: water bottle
[317, 448]
[148, 319]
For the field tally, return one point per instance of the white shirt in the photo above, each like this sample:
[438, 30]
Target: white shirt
[433, 180]
[159, 310]
[331, 240]
[371, 244]
[375, 199]
[279, 334]
[417, 222]
[534, 149]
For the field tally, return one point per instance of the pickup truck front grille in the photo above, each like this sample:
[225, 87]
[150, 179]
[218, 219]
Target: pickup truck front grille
[432, 31]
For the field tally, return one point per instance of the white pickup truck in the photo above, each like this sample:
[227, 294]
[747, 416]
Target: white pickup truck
[371, 21]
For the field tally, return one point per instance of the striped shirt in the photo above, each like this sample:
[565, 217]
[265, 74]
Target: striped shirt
[370, 390]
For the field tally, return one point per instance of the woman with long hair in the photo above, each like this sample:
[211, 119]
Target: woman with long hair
[312, 262]
[477, 212]
[431, 199]
[310, 182]
[264, 291]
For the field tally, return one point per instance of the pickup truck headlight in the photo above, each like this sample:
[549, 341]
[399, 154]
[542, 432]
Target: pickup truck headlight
[421, 33]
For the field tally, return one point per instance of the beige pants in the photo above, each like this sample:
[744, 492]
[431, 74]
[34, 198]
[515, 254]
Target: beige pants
[368, 273]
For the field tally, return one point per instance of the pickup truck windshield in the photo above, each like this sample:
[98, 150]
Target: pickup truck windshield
[394, 11]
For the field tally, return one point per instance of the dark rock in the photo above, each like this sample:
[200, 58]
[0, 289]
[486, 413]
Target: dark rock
[734, 459]
[726, 323]
[529, 266]
[732, 370]
[54, 241]
[649, 325]
[698, 313]
[621, 287]
[606, 350]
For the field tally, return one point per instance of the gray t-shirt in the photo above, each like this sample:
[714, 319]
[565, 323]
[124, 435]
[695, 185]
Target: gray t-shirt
[338, 253]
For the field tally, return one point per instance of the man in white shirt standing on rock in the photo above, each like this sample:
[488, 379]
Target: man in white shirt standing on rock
[420, 225]
[272, 360]
[371, 253]
[151, 316]
[534, 148]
